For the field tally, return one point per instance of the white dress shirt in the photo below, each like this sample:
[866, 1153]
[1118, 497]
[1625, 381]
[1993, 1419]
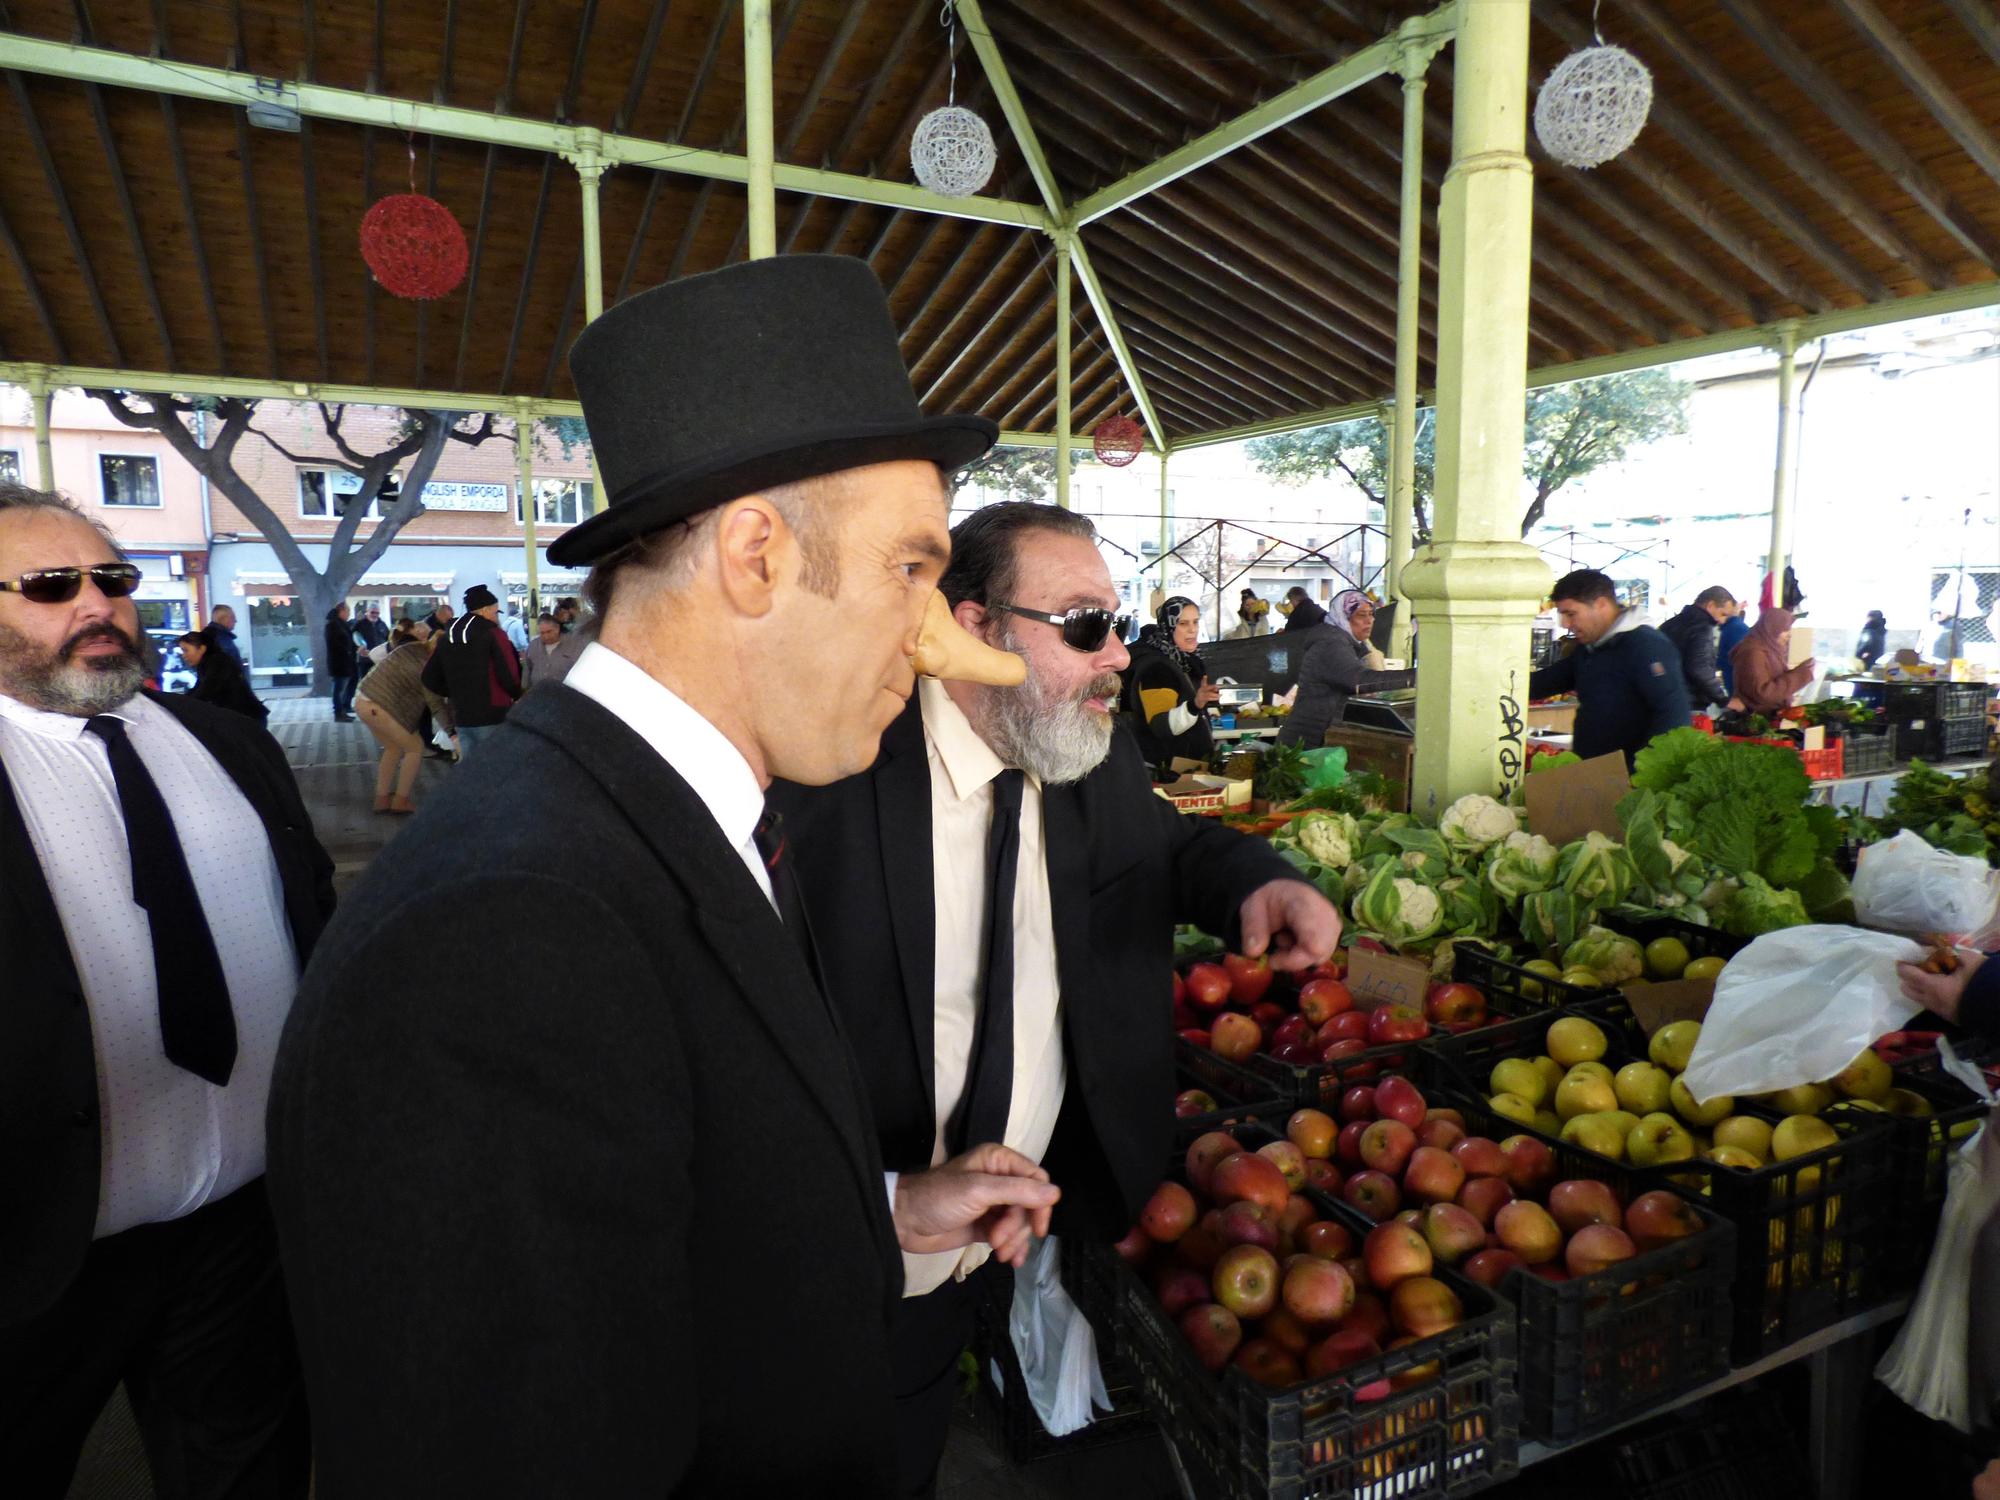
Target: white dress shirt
[172, 1141]
[962, 768]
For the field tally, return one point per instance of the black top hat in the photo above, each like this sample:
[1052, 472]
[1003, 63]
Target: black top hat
[756, 375]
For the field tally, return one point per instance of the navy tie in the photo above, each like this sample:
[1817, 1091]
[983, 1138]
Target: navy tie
[981, 1116]
[197, 1028]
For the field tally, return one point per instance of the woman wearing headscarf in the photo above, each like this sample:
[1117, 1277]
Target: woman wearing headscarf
[1167, 688]
[1874, 640]
[1338, 660]
[1764, 679]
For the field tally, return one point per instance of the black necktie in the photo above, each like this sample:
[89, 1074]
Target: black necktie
[770, 840]
[196, 1026]
[989, 1077]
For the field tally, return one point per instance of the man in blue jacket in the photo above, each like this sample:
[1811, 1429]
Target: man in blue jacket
[1626, 675]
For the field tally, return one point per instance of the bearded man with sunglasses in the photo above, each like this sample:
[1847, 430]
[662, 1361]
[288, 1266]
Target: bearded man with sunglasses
[160, 887]
[994, 902]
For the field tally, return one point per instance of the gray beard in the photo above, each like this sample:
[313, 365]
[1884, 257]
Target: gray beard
[55, 684]
[1058, 741]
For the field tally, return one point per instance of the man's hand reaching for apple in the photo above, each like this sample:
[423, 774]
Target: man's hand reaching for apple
[990, 1195]
[1292, 920]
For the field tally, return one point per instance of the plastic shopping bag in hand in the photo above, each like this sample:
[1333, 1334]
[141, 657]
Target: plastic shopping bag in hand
[1797, 1006]
[1056, 1345]
[1904, 885]
[1933, 1364]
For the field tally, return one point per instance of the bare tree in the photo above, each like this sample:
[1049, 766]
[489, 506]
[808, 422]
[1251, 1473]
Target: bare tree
[419, 446]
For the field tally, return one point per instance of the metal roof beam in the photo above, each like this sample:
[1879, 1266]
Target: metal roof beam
[28, 54]
[1274, 113]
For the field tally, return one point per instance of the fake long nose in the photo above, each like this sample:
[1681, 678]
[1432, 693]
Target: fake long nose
[946, 651]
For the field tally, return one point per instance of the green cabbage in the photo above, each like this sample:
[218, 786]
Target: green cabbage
[1611, 956]
[1757, 908]
[1328, 837]
[1519, 864]
[1475, 823]
[1597, 871]
[1401, 909]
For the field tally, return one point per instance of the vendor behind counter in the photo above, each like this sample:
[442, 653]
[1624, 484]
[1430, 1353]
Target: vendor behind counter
[1339, 661]
[1167, 692]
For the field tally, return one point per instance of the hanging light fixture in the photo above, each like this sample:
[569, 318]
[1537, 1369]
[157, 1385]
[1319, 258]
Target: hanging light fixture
[1117, 440]
[1594, 104]
[413, 245]
[951, 150]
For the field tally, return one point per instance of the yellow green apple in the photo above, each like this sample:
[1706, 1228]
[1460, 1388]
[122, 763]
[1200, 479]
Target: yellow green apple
[1581, 1094]
[1642, 1087]
[1658, 1138]
[1513, 1107]
[1521, 1078]
[1720, 1108]
[1573, 1040]
[1673, 1044]
[1598, 1133]
[1745, 1133]
[1867, 1077]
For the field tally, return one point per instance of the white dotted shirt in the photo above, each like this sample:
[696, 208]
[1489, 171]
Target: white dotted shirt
[172, 1141]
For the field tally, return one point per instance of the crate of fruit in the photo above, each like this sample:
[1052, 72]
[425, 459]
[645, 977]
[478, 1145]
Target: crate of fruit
[1288, 1353]
[1621, 1287]
[1517, 988]
[1929, 1115]
[1869, 753]
[1696, 942]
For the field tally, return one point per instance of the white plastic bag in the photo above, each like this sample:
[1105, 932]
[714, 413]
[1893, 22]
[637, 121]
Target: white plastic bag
[1904, 885]
[1797, 1006]
[1056, 1345]
[1928, 1365]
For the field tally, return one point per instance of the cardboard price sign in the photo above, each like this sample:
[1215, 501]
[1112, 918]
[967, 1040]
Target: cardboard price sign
[1566, 803]
[1377, 979]
[1654, 1004]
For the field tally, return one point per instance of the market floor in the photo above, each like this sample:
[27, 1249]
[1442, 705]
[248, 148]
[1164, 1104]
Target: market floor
[335, 765]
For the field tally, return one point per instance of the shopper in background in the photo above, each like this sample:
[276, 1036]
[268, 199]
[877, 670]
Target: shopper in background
[551, 656]
[1873, 642]
[341, 659]
[393, 704]
[1696, 634]
[1300, 611]
[516, 628]
[1765, 679]
[475, 667]
[1731, 635]
[218, 679]
[1937, 646]
[221, 629]
[439, 620]
[1165, 692]
[1253, 617]
[1625, 674]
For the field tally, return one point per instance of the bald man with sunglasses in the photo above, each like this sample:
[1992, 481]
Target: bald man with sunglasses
[994, 903]
[160, 887]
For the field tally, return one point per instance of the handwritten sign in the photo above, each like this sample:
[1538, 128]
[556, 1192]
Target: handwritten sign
[1377, 979]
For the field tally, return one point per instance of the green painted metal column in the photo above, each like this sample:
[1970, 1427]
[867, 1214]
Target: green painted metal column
[524, 465]
[45, 459]
[1476, 587]
[758, 133]
[1784, 478]
[1063, 238]
[589, 164]
[1414, 60]
[1166, 524]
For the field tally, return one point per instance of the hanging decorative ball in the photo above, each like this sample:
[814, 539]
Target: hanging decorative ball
[952, 152]
[1118, 440]
[414, 246]
[1593, 106]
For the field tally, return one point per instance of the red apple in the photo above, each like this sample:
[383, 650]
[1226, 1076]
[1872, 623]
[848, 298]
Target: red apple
[1348, 1026]
[1208, 986]
[1135, 1247]
[1347, 1148]
[1386, 1146]
[1368, 945]
[1452, 1233]
[1292, 1029]
[1179, 1288]
[1265, 1362]
[1322, 1174]
[1202, 1246]
[1395, 1252]
[1358, 1103]
[1455, 1004]
[1480, 1156]
[1204, 1153]
[1286, 1331]
[1333, 966]
[1213, 1332]
[1370, 1315]
[1433, 1176]
[1456, 1117]
[1372, 1193]
[1248, 1224]
[1313, 1131]
[1338, 1350]
[1584, 1201]
[1317, 1292]
[1327, 1239]
[1320, 1000]
[1245, 1280]
[1168, 1214]
[1287, 1158]
[1249, 978]
[1659, 1218]
[1423, 1306]
[1234, 1036]
[1411, 1376]
[1184, 1018]
[1340, 1052]
[1191, 1102]
[1596, 1246]
[1414, 1217]
[1196, 1036]
[1245, 1175]
[1489, 1267]
[1483, 1197]
[1292, 1221]
[1399, 1099]
[1267, 1014]
[1389, 1024]
[1296, 1054]
[1527, 1230]
[1531, 1166]
[1180, 990]
[1441, 1134]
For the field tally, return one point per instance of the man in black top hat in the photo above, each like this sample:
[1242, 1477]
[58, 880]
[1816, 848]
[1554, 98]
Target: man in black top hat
[641, 1241]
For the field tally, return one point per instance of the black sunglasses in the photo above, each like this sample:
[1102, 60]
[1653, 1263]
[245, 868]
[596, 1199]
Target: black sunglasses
[1082, 629]
[60, 585]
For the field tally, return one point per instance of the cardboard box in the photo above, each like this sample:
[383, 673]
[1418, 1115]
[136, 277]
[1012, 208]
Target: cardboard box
[1654, 1004]
[1566, 803]
[1193, 793]
[1378, 979]
[1552, 718]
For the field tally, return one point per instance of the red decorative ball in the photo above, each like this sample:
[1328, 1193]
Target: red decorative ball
[1118, 440]
[414, 246]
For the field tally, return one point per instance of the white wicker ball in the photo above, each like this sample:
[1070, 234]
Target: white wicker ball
[1593, 106]
[952, 152]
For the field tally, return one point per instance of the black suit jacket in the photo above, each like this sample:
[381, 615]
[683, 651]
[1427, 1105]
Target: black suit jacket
[572, 1172]
[1124, 867]
[49, 1126]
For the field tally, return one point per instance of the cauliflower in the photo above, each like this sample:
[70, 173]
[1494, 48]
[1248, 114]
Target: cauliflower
[1474, 822]
[1521, 864]
[1401, 909]
[1329, 837]
[1611, 956]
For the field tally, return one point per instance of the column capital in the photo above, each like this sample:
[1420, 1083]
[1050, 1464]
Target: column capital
[1785, 336]
[1416, 47]
[586, 153]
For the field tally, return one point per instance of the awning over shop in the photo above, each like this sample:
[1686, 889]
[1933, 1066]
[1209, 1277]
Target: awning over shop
[436, 582]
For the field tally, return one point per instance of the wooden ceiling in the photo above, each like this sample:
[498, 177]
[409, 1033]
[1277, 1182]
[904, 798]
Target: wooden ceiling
[1799, 158]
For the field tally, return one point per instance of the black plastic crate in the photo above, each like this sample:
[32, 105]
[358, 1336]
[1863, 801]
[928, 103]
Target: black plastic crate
[1239, 1093]
[1510, 982]
[1736, 1446]
[1920, 1160]
[1008, 1417]
[1964, 737]
[1701, 942]
[1964, 700]
[1903, 702]
[1466, 1062]
[1940, 739]
[1868, 754]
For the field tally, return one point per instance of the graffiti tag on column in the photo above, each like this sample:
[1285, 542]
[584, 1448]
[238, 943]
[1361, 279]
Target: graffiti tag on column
[1512, 729]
